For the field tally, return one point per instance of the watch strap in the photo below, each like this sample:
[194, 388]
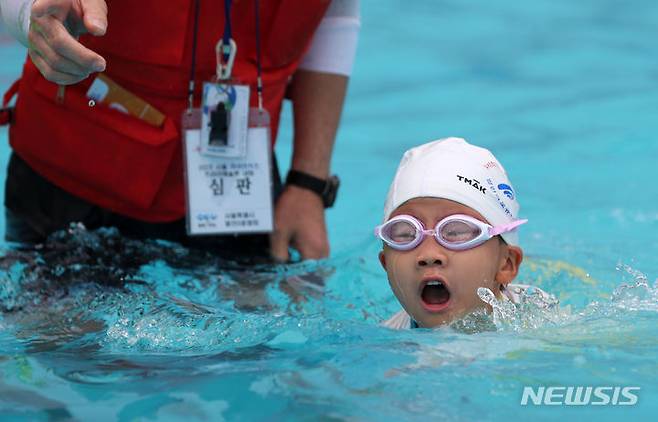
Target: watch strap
[326, 189]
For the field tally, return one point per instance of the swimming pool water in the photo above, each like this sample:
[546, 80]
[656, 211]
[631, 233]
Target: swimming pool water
[565, 94]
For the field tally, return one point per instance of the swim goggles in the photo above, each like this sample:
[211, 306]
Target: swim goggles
[456, 232]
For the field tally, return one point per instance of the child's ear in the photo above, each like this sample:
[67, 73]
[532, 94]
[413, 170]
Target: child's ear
[511, 259]
[382, 259]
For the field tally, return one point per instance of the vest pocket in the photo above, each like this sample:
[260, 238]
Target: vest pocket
[92, 151]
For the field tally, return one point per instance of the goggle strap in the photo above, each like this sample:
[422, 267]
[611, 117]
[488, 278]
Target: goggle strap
[495, 231]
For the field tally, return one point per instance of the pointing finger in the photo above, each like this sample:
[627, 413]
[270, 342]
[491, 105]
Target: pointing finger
[63, 44]
[50, 74]
[57, 62]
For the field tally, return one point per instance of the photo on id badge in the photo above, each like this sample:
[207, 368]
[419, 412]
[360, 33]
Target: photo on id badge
[224, 119]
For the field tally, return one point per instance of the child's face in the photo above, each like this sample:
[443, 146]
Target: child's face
[413, 274]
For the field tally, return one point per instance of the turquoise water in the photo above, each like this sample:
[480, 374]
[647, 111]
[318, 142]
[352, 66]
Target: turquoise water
[564, 93]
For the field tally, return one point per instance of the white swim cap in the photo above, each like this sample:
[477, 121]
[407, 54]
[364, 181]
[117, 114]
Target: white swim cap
[453, 169]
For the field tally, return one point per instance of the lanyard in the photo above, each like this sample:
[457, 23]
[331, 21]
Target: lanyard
[259, 70]
[190, 87]
[225, 51]
[227, 38]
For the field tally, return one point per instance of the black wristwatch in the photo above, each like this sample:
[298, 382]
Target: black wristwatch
[326, 189]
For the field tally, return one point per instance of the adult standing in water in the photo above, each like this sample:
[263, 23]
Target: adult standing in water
[75, 161]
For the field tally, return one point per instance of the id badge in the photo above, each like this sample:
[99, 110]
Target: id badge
[225, 119]
[228, 195]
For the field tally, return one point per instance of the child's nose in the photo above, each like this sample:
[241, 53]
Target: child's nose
[430, 253]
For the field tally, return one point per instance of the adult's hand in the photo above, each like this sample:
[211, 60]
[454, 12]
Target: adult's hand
[299, 214]
[55, 26]
[299, 222]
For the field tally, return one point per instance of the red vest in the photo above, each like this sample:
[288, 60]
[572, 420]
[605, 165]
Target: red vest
[120, 162]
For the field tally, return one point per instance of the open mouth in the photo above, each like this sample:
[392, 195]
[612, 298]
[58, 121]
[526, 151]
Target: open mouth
[435, 295]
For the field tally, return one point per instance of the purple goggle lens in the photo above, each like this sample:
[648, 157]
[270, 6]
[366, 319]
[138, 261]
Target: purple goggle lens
[456, 232]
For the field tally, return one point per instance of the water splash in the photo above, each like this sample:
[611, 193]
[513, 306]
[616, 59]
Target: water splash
[98, 289]
[636, 295]
[535, 309]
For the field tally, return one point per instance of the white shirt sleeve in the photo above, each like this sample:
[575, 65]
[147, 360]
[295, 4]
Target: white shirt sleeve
[16, 16]
[334, 44]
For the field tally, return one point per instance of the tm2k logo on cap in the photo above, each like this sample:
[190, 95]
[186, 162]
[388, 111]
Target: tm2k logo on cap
[507, 190]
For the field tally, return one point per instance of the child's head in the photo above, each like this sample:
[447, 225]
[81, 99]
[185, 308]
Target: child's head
[460, 186]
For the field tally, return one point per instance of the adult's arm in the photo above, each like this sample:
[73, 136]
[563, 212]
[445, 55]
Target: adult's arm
[317, 91]
[50, 30]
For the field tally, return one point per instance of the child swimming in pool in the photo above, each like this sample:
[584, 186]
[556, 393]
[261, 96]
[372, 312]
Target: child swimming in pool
[450, 227]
